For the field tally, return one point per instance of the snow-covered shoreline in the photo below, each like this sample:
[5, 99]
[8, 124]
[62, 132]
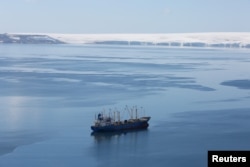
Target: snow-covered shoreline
[216, 39]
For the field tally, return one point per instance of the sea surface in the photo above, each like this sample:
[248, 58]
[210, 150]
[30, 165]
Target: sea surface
[198, 100]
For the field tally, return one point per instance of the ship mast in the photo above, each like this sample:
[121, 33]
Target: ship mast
[118, 114]
[135, 113]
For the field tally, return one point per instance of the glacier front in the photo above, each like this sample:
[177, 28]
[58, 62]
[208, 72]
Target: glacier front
[212, 39]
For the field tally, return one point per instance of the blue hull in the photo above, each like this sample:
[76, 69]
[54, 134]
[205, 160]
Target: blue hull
[120, 127]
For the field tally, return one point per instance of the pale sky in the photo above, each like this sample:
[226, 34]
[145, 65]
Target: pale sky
[124, 16]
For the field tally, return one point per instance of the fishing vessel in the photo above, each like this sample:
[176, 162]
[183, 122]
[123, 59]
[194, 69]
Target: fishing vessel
[112, 121]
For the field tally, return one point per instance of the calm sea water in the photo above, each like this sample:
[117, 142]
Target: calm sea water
[199, 100]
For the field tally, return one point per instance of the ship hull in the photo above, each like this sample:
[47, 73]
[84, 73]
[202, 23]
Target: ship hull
[121, 127]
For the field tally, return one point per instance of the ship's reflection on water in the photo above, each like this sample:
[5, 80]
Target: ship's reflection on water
[108, 136]
[115, 147]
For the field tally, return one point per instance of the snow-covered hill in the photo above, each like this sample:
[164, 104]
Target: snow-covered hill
[228, 40]
[28, 39]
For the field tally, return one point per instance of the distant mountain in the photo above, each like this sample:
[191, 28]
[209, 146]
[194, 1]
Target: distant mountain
[219, 40]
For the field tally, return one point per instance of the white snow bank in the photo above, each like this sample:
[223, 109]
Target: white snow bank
[209, 38]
